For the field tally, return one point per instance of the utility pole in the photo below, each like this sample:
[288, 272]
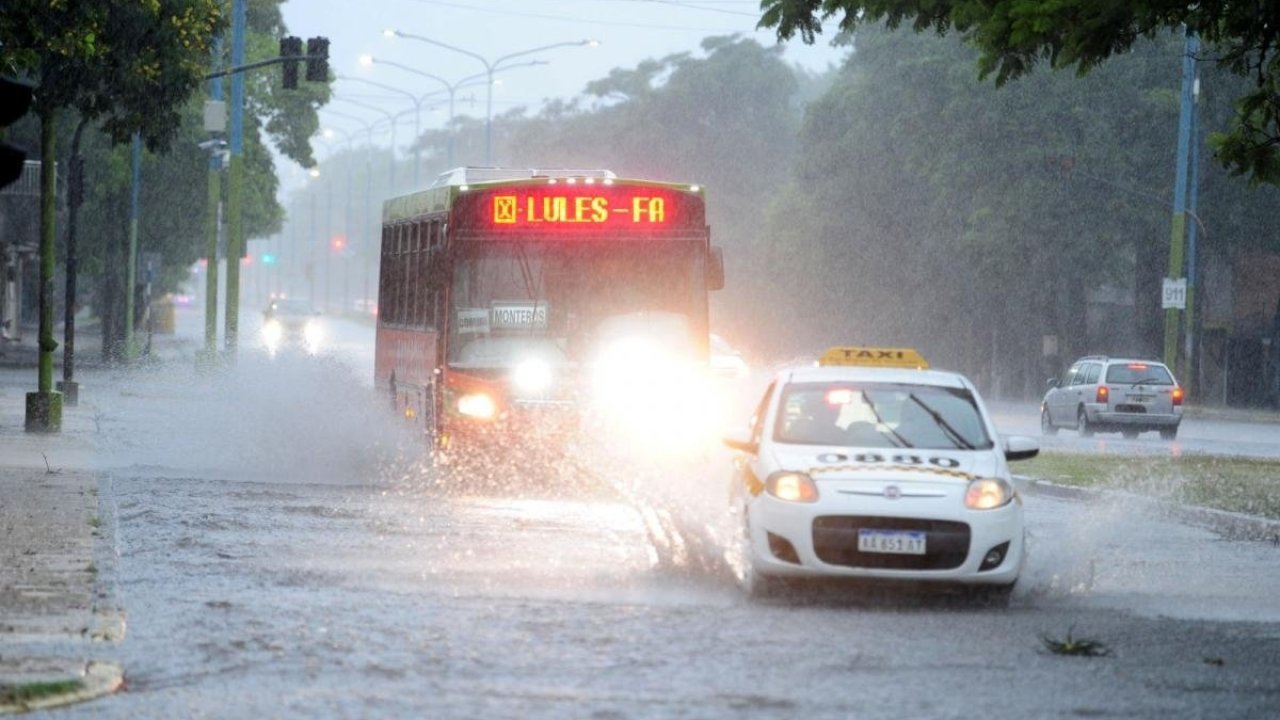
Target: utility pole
[215, 122]
[235, 185]
[1174, 304]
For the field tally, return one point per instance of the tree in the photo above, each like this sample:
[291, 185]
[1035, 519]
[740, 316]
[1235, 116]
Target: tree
[929, 209]
[1013, 36]
[132, 65]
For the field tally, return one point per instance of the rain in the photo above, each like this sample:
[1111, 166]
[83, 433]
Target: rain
[452, 375]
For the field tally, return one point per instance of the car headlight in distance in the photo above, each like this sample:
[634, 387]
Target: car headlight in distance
[477, 405]
[792, 487]
[988, 494]
[532, 377]
[272, 332]
[312, 332]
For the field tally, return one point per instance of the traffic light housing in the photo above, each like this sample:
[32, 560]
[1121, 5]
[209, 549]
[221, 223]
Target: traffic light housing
[290, 47]
[318, 59]
[15, 100]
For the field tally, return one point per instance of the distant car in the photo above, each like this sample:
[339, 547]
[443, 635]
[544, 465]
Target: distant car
[870, 466]
[1105, 394]
[291, 321]
[726, 362]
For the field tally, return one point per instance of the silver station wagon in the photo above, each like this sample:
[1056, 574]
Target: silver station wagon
[1104, 394]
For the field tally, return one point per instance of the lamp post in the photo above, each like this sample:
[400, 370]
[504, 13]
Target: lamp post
[417, 118]
[490, 67]
[391, 172]
[369, 248]
[452, 88]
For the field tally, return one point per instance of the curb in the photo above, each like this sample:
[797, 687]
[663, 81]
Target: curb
[93, 679]
[1231, 525]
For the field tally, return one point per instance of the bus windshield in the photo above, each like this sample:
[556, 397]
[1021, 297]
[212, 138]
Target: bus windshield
[554, 300]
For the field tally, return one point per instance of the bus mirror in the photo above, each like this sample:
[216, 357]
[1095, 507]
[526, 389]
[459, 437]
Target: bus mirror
[715, 269]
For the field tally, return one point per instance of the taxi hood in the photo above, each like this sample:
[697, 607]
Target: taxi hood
[842, 463]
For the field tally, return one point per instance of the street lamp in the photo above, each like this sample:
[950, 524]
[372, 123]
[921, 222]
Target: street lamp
[452, 88]
[391, 182]
[490, 68]
[417, 118]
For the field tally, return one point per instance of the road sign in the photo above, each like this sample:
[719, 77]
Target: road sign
[1175, 294]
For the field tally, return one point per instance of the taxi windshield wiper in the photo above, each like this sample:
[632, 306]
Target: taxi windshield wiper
[1147, 381]
[952, 434]
[887, 431]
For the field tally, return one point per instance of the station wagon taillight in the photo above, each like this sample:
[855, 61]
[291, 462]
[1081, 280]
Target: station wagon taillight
[1103, 393]
[1177, 396]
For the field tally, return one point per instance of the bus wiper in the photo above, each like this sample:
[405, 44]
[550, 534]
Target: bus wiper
[952, 434]
[892, 434]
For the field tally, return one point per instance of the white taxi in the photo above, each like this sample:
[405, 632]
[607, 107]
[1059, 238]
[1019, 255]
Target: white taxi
[870, 465]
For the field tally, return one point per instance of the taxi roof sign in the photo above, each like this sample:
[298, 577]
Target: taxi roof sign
[873, 357]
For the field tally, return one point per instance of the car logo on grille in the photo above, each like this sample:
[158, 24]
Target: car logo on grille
[892, 492]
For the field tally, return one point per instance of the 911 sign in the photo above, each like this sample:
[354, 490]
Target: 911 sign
[1175, 294]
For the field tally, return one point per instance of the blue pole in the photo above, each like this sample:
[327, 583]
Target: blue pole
[1178, 233]
[1192, 233]
[235, 182]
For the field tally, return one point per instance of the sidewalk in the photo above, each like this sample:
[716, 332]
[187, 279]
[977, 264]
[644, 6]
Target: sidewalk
[59, 615]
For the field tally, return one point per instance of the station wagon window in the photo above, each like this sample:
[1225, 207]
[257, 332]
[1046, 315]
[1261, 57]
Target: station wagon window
[1139, 374]
[1092, 372]
[1070, 377]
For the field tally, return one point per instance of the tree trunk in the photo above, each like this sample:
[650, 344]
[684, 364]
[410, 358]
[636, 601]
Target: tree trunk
[48, 218]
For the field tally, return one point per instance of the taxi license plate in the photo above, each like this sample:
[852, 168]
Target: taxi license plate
[898, 542]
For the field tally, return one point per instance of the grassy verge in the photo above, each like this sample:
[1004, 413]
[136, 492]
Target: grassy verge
[1243, 485]
[22, 695]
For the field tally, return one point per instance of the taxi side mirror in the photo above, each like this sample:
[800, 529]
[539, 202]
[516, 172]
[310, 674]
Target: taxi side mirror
[1017, 447]
[740, 440]
[1051, 382]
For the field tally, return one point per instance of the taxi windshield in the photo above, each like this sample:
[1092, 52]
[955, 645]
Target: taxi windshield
[881, 415]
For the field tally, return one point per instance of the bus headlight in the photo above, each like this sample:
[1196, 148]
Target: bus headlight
[477, 405]
[531, 377]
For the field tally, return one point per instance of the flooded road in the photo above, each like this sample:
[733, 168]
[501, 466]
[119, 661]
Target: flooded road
[284, 553]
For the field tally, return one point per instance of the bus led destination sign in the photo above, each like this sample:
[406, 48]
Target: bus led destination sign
[574, 209]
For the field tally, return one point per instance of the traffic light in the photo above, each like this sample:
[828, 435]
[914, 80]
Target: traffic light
[290, 47]
[338, 243]
[15, 100]
[268, 259]
[318, 59]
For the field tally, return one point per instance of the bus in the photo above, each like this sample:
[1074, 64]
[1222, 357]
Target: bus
[517, 305]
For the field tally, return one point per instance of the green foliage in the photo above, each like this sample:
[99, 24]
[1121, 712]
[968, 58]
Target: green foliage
[1013, 36]
[129, 65]
[930, 209]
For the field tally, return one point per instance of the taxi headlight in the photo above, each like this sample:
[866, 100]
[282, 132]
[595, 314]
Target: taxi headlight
[792, 487]
[988, 494]
[477, 405]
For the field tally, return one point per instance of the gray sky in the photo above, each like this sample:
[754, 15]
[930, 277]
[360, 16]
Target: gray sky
[628, 31]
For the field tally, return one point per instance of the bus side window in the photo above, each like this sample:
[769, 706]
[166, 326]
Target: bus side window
[425, 313]
[411, 291]
[384, 277]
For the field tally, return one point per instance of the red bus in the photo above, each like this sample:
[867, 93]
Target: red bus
[510, 301]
